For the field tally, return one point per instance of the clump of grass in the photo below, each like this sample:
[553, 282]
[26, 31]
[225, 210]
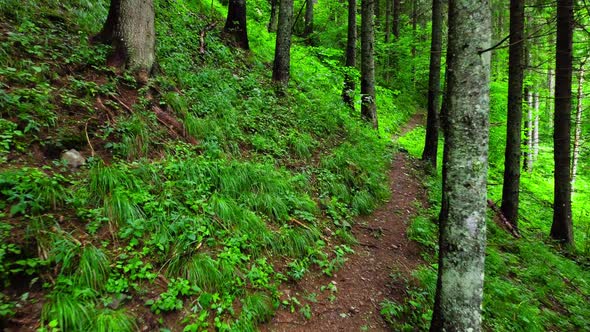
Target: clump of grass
[120, 208]
[93, 269]
[258, 307]
[71, 312]
[105, 179]
[200, 270]
[108, 320]
[294, 242]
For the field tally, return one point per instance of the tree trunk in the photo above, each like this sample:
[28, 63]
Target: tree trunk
[377, 12]
[349, 79]
[273, 22]
[511, 186]
[526, 153]
[463, 211]
[431, 143]
[308, 30]
[282, 61]
[368, 105]
[578, 126]
[551, 88]
[535, 126]
[106, 35]
[562, 228]
[388, 10]
[130, 29]
[235, 24]
[397, 6]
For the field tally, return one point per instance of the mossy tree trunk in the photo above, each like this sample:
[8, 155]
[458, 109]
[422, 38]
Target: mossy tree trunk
[432, 122]
[578, 126]
[368, 105]
[511, 184]
[462, 236]
[282, 60]
[235, 24]
[562, 228]
[349, 79]
[388, 10]
[130, 29]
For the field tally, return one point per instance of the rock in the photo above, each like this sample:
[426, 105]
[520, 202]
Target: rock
[73, 158]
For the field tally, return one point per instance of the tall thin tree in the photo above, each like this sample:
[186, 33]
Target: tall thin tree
[349, 78]
[282, 60]
[397, 8]
[432, 122]
[308, 29]
[511, 184]
[562, 228]
[368, 102]
[462, 236]
[235, 24]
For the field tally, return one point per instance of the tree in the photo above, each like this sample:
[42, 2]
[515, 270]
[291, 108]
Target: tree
[273, 22]
[130, 29]
[282, 60]
[462, 235]
[235, 24]
[578, 125]
[397, 7]
[388, 11]
[562, 228]
[308, 30]
[368, 105]
[432, 122]
[349, 85]
[511, 184]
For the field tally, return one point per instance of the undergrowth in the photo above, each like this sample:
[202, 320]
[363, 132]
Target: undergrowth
[208, 231]
[529, 285]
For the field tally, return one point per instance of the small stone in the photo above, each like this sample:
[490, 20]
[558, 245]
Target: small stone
[395, 246]
[354, 310]
[73, 158]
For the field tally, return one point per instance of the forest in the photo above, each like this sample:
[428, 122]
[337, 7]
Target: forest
[294, 165]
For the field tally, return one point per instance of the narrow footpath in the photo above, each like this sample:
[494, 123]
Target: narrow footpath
[352, 301]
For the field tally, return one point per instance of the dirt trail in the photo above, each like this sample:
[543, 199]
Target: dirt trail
[364, 281]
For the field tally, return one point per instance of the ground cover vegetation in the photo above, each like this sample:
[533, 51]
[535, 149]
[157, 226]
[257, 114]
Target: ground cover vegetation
[211, 180]
[188, 230]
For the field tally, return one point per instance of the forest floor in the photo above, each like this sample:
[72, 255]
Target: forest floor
[350, 300]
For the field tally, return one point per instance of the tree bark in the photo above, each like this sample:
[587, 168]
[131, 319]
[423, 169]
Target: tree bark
[349, 79]
[130, 29]
[578, 126]
[273, 22]
[397, 6]
[282, 60]
[308, 30]
[526, 152]
[106, 35]
[388, 10]
[432, 122]
[562, 228]
[463, 211]
[368, 105]
[535, 152]
[235, 24]
[511, 184]
[551, 88]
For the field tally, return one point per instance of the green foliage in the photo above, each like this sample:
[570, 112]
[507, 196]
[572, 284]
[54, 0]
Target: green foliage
[31, 190]
[108, 320]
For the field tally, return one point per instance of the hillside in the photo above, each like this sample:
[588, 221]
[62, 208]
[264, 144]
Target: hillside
[207, 197]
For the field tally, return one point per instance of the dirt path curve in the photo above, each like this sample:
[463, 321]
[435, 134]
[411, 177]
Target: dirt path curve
[364, 281]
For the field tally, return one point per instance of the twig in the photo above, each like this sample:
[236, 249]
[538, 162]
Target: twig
[123, 104]
[88, 138]
[308, 228]
[502, 218]
[202, 36]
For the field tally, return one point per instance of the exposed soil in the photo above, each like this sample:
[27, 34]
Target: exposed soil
[364, 281]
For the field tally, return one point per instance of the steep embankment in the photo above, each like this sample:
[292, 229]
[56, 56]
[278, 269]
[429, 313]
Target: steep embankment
[163, 227]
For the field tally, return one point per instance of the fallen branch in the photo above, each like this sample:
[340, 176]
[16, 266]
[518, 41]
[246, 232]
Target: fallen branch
[505, 223]
[203, 35]
[173, 125]
[88, 138]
